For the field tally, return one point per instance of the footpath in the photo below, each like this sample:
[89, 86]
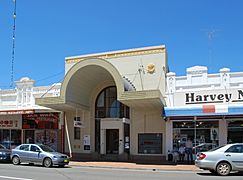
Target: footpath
[126, 165]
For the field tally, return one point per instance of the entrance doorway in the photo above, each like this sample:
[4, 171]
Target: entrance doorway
[112, 141]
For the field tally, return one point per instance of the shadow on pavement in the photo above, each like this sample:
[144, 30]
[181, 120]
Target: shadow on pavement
[38, 165]
[211, 174]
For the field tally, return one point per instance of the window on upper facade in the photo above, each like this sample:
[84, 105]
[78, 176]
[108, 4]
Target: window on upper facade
[77, 128]
[107, 105]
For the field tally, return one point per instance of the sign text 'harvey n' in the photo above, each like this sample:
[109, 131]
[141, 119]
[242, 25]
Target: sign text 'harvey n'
[195, 98]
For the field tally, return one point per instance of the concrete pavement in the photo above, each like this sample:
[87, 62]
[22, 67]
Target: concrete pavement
[128, 165]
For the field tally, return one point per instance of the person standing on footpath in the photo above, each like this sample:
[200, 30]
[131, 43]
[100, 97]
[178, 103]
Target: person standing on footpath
[188, 150]
[182, 153]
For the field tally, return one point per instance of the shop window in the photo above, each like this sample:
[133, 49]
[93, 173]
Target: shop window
[10, 138]
[235, 131]
[150, 143]
[204, 134]
[77, 133]
[77, 128]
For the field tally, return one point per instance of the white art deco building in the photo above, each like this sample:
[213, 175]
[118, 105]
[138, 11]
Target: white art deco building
[124, 105]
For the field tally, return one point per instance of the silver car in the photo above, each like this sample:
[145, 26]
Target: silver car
[38, 154]
[222, 160]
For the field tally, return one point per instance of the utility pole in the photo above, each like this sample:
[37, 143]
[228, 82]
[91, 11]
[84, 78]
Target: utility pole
[13, 44]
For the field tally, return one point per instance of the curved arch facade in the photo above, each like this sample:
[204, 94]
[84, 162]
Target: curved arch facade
[84, 76]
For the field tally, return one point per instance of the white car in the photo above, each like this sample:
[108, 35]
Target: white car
[222, 160]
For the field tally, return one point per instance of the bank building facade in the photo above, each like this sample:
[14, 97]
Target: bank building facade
[112, 104]
[125, 106]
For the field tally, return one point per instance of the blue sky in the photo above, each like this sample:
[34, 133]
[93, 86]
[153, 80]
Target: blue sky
[47, 31]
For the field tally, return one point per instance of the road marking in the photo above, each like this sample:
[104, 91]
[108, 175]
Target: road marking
[8, 177]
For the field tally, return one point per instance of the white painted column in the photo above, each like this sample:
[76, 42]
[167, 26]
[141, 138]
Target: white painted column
[103, 141]
[223, 132]
[168, 137]
[121, 138]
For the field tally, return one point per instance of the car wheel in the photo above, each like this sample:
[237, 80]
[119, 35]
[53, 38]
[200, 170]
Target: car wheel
[47, 162]
[223, 168]
[16, 160]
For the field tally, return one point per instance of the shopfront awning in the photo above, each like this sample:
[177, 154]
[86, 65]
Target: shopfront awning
[204, 110]
[16, 111]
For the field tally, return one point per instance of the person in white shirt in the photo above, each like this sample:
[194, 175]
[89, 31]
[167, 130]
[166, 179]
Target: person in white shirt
[181, 153]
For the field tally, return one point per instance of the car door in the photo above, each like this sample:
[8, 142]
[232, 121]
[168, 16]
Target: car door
[235, 155]
[34, 154]
[23, 153]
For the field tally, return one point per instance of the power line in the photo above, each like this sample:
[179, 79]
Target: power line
[51, 88]
[51, 76]
[13, 46]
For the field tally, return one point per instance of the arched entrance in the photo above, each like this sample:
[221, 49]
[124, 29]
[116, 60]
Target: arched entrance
[111, 123]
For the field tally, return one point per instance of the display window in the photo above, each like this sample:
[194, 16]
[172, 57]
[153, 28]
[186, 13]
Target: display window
[203, 134]
[150, 143]
[235, 131]
[41, 128]
[10, 138]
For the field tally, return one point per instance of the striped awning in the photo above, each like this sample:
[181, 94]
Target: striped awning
[204, 110]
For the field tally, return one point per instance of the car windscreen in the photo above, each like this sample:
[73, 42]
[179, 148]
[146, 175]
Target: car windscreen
[2, 147]
[46, 148]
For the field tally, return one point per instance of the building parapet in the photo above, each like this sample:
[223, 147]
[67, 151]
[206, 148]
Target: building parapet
[24, 94]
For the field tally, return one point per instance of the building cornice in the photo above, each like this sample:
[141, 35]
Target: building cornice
[118, 54]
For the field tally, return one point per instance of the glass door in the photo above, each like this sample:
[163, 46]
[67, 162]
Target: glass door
[29, 136]
[112, 141]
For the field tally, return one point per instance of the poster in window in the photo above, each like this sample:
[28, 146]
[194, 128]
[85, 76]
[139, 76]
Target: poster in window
[86, 142]
[214, 134]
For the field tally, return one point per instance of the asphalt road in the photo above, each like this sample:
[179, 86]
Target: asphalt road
[27, 172]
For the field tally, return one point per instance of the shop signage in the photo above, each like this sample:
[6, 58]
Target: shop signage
[78, 124]
[197, 98]
[40, 121]
[9, 124]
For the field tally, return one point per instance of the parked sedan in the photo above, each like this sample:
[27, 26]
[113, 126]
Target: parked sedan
[4, 154]
[38, 154]
[222, 160]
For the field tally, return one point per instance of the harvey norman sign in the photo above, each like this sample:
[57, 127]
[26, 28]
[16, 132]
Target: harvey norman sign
[213, 97]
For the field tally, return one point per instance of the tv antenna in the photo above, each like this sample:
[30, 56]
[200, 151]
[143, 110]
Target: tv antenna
[211, 34]
[13, 44]
[141, 71]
